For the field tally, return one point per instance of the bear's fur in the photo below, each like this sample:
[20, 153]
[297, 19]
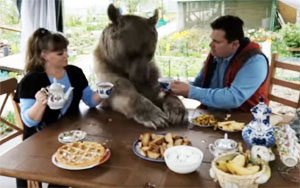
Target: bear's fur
[124, 56]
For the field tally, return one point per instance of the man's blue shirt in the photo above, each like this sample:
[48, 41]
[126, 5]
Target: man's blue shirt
[247, 81]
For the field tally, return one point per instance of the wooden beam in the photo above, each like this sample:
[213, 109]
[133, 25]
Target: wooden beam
[283, 101]
[288, 66]
[283, 83]
[10, 28]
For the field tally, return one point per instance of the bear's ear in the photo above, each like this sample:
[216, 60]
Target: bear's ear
[113, 13]
[153, 20]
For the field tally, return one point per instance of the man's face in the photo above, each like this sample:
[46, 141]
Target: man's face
[219, 45]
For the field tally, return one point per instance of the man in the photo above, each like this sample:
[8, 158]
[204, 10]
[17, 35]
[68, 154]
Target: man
[234, 75]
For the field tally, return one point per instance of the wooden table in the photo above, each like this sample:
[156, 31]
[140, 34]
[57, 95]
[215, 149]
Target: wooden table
[14, 63]
[32, 158]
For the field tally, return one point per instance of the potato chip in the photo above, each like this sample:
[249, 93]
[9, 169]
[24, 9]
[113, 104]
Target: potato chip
[154, 145]
[153, 155]
[145, 138]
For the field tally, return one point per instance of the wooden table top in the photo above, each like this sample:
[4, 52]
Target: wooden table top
[32, 158]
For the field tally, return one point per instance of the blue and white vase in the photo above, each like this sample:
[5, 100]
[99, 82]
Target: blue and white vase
[259, 131]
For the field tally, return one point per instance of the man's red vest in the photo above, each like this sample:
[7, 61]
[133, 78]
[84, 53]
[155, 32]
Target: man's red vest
[235, 65]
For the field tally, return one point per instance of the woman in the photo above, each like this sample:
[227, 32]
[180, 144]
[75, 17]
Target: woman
[46, 59]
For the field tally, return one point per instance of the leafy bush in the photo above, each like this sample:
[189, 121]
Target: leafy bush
[279, 46]
[9, 13]
[183, 67]
[13, 39]
[192, 43]
[81, 33]
[259, 35]
[10, 117]
[10, 17]
[291, 35]
[287, 37]
[73, 21]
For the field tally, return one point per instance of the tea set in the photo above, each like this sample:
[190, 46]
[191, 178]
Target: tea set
[104, 89]
[259, 131]
[287, 145]
[222, 146]
[165, 83]
[260, 135]
[57, 97]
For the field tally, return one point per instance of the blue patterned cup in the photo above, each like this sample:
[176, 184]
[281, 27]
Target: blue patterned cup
[104, 89]
[165, 83]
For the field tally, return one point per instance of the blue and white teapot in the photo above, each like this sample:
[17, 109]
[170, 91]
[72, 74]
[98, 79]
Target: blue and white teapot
[259, 131]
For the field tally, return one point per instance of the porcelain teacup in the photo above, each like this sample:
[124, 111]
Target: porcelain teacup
[104, 89]
[287, 145]
[165, 83]
[222, 146]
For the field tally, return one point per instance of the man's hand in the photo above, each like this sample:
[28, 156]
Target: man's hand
[180, 88]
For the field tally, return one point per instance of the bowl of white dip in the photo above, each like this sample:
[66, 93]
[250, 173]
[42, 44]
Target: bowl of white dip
[183, 159]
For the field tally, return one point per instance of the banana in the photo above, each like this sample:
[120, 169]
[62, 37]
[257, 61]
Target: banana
[268, 172]
[264, 177]
[234, 168]
[222, 166]
[239, 160]
[240, 147]
[230, 167]
[250, 164]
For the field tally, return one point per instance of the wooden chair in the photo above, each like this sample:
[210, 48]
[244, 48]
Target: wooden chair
[7, 89]
[275, 63]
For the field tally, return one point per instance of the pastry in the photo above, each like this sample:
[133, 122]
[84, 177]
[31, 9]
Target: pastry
[80, 154]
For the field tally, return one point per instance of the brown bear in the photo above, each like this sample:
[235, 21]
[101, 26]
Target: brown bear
[124, 56]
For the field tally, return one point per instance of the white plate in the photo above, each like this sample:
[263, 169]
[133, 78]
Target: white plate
[71, 136]
[104, 159]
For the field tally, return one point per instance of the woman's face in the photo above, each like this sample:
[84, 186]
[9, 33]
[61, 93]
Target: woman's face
[56, 59]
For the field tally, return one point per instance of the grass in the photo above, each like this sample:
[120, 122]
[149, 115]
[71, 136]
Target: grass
[10, 117]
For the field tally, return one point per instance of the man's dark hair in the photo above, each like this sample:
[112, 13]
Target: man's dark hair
[232, 25]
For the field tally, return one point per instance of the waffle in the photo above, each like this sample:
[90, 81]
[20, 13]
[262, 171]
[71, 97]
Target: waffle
[80, 154]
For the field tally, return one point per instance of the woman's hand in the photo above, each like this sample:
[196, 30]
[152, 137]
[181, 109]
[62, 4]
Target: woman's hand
[180, 88]
[41, 96]
[36, 112]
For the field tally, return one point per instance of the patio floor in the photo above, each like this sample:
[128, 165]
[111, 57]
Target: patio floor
[8, 182]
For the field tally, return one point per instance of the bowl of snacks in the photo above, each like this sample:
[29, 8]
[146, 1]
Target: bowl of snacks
[151, 146]
[183, 159]
[204, 120]
[238, 170]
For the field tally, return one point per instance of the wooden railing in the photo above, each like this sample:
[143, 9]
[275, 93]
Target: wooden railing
[10, 28]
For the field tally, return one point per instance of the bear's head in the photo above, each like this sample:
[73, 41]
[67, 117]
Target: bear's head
[128, 39]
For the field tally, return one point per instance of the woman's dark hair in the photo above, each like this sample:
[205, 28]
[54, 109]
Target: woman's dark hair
[232, 25]
[42, 40]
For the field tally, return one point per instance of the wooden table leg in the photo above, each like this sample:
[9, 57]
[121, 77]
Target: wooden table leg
[33, 184]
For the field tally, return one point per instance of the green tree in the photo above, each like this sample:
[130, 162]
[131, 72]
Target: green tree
[132, 5]
[9, 15]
